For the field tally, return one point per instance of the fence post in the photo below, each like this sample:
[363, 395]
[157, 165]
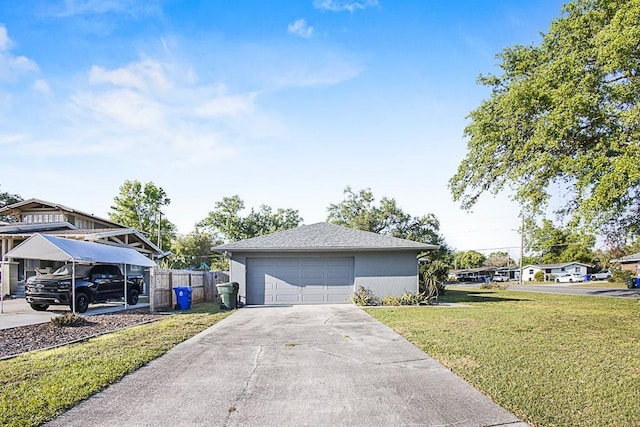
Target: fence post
[152, 291]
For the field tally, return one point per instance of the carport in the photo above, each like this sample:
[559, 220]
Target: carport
[51, 248]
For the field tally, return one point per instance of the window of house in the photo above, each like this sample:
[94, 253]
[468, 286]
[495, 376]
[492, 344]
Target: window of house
[531, 271]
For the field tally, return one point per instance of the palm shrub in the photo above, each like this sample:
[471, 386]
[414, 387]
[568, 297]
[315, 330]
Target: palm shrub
[363, 296]
[68, 319]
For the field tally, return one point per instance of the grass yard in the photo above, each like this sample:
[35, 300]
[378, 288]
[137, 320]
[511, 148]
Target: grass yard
[553, 360]
[40, 385]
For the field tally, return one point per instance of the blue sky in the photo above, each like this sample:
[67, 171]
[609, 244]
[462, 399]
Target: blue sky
[283, 102]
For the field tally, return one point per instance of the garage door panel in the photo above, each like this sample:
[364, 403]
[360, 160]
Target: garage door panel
[299, 280]
[313, 299]
[338, 298]
[282, 263]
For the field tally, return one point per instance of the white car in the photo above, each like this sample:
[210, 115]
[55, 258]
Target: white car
[602, 275]
[569, 278]
[500, 278]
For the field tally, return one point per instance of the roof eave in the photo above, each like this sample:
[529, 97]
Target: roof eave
[326, 249]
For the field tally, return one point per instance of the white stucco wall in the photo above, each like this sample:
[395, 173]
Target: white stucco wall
[385, 273]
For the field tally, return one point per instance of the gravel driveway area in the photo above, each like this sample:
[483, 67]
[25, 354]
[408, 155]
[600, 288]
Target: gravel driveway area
[19, 340]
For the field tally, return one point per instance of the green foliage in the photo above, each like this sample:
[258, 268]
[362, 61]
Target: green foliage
[621, 276]
[139, 207]
[359, 211]
[7, 199]
[226, 224]
[68, 319]
[539, 276]
[564, 117]
[408, 298]
[552, 244]
[499, 259]
[434, 275]
[194, 250]
[364, 297]
[468, 259]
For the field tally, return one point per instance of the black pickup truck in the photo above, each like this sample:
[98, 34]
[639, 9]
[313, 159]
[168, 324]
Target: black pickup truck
[94, 283]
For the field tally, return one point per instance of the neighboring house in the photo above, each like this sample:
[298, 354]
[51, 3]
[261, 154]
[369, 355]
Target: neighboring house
[322, 264]
[472, 274]
[39, 216]
[552, 270]
[630, 263]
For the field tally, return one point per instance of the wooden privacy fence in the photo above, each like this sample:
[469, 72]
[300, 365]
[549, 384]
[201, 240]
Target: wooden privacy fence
[203, 283]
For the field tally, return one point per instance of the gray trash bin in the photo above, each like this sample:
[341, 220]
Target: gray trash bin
[229, 294]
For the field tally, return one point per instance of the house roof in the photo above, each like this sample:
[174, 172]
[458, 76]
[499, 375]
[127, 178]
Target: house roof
[628, 258]
[24, 227]
[560, 265]
[32, 203]
[323, 237]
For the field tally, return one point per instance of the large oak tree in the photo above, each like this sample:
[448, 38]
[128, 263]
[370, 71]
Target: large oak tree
[563, 120]
[140, 206]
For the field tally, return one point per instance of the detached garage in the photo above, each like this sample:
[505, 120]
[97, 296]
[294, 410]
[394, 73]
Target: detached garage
[322, 264]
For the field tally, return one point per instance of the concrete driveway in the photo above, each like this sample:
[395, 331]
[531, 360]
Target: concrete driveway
[300, 365]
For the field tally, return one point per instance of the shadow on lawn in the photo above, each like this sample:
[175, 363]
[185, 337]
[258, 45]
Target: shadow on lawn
[462, 296]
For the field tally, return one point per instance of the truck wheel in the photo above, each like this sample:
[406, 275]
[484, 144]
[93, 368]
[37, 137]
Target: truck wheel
[133, 297]
[82, 302]
[39, 307]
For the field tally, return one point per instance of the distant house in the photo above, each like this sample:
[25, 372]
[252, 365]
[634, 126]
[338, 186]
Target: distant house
[629, 263]
[552, 270]
[39, 216]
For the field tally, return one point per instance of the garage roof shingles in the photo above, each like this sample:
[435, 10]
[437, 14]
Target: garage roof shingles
[323, 237]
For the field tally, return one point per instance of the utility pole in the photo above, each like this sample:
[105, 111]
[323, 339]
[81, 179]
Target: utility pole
[521, 246]
[159, 229]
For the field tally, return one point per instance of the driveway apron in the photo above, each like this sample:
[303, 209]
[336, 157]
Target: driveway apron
[295, 365]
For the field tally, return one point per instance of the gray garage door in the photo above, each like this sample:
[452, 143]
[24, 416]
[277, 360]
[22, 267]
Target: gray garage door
[299, 280]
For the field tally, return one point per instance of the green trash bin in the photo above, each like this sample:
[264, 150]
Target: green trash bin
[631, 283]
[229, 294]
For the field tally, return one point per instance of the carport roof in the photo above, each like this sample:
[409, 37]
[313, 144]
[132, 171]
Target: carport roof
[323, 237]
[41, 246]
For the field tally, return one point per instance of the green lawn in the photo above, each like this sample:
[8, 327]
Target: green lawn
[550, 359]
[40, 385]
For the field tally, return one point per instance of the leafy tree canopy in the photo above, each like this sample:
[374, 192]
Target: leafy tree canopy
[194, 250]
[226, 223]
[140, 206]
[551, 244]
[563, 117]
[7, 199]
[359, 211]
[468, 259]
[499, 259]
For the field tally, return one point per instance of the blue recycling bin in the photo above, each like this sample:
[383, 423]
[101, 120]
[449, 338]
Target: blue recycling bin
[183, 297]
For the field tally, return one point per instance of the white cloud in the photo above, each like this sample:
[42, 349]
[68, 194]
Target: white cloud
[344, 5]
[41, 85]
[233, 105]
[300, 28]
[5, 41]
[11, 65]
[147, 74]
